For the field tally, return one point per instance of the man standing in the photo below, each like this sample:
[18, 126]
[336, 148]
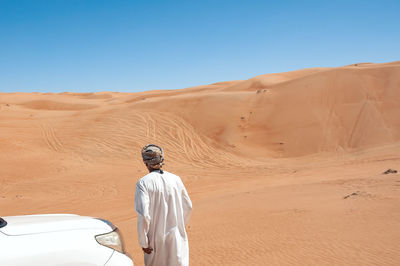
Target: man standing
[163, 206]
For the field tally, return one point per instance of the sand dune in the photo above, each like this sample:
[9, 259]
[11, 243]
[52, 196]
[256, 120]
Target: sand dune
[51, 105]
[283, 169]
[296, 113]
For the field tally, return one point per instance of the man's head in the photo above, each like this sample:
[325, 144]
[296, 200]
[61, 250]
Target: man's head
[153, 156]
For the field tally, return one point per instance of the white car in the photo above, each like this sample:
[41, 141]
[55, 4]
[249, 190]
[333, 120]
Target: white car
[60, 239]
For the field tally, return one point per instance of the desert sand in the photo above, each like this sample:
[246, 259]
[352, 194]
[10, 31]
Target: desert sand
[282, 169]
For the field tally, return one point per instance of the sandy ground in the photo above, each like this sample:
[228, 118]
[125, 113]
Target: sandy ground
[282, 169]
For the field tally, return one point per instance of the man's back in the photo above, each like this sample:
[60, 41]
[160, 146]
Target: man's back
[164, 206]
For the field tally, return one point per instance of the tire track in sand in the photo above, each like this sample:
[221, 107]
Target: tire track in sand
[121, 134]
[50, 137]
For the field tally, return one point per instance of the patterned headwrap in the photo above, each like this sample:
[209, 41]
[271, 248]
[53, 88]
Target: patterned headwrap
[153, 156]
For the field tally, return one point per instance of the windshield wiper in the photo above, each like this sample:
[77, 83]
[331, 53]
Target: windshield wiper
[2, 222]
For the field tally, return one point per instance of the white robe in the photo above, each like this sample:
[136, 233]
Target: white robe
[163, 206]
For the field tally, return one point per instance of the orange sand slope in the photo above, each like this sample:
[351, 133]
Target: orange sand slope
[283, 169]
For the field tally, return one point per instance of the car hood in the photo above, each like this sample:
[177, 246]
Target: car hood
[44, 223]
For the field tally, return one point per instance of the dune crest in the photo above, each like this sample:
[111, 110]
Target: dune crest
[52, 105]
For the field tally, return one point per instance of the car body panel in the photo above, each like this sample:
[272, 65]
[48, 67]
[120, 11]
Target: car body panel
[34, 224]
[56, 240]
[118, 259]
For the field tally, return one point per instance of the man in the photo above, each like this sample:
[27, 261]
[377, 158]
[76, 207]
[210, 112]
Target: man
[163, 206]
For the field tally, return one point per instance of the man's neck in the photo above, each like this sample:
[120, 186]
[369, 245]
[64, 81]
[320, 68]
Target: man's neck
[156, 170]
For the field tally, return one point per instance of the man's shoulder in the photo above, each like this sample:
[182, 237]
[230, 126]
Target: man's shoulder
[175, 179]
[150, 177]
[147, 177]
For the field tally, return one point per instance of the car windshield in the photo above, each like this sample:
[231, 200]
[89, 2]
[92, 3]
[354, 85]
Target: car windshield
[2, 222]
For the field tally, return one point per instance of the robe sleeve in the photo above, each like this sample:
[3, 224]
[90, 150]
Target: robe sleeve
[187, 205]
[142, 202]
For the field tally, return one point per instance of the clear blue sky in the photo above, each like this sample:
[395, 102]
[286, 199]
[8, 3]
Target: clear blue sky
[116, 45]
